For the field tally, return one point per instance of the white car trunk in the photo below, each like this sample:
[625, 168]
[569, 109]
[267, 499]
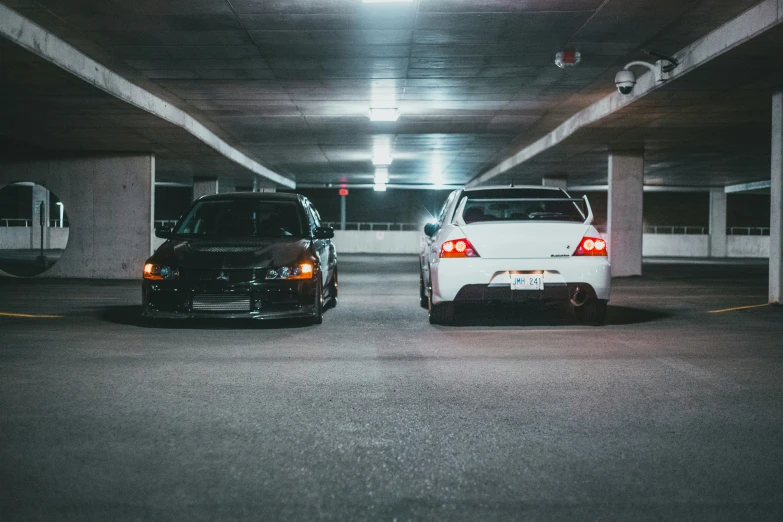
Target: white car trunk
[531, 240]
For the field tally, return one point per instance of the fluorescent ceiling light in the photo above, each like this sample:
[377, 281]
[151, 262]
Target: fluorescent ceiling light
[380, 187]
[384, 114]
[381, 176]
[382, 159]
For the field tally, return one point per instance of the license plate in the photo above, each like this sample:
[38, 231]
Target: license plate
[527, 282]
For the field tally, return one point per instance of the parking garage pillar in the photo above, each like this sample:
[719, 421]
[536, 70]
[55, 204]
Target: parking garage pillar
[555, 181]
[40, 196]
[776, 205]
[204, 187]
[718, 242]
[624, 217]
[227, 185]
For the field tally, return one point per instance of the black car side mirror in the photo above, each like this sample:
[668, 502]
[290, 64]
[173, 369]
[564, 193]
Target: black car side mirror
[324, 233]
[163, 232]
[430, 229]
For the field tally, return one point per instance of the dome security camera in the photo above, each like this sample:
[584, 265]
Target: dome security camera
[625, 81]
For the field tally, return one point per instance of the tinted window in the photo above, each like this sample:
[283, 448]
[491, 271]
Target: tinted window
[242, 218]
[519, 205]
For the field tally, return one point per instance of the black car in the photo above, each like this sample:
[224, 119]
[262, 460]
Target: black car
[244, 255]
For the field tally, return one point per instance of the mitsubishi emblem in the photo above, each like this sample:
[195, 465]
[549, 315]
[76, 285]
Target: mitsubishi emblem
[223, 276]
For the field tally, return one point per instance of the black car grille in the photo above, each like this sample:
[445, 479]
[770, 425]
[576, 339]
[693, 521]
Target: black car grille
[229, 276]
[221, 303]
[223, 249]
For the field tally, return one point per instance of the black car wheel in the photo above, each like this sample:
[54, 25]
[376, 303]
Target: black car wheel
[593, 312]
[442, 313]
[333, 291]
[424, 301]
[318, 308]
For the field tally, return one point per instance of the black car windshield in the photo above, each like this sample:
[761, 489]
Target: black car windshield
[242, 219]
[520, 205]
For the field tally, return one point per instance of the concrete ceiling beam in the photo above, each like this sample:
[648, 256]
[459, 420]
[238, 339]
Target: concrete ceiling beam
[43, 43]
[753, 22]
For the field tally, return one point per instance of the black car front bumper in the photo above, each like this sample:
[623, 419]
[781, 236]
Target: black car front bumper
[216, 299]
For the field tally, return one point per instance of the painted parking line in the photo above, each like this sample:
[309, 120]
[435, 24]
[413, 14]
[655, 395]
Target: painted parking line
[31, 316]
[737, 308]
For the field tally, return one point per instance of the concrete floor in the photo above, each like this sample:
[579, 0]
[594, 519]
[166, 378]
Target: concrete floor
[670, 412]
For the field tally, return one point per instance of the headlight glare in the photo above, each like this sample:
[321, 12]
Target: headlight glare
[160, 272]
[300, 271]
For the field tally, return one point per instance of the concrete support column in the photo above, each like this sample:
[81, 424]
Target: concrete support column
[227, 185]
[343, 204]
[555, 181]
[718, 241]
[776, 198]
[624, 217]
[204, 187]
[40, 195]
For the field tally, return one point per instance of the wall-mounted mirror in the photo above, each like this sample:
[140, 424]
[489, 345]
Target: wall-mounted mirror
[34, 229]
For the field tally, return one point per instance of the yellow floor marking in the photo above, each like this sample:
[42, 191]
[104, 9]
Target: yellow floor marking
[737, 308]
[30, 316]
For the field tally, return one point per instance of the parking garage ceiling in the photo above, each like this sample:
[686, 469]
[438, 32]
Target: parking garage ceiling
[289, 83]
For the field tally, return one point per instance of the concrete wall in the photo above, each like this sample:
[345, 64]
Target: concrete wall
[110, 203]
[19, 238]
[663, 245]
[691, 245]
[671, 245]
[376, 242]
[748, 246]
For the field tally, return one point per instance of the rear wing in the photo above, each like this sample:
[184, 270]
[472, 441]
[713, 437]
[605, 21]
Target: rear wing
[587, 217]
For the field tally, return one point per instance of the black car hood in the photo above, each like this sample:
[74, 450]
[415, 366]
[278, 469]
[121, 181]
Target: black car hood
[237, 253]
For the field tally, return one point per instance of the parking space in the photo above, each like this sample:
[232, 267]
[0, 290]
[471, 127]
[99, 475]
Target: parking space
[673, 409]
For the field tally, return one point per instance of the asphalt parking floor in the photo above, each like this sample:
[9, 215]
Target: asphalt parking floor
[674, 410]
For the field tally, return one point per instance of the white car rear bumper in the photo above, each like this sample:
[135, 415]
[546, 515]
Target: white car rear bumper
[449, 276]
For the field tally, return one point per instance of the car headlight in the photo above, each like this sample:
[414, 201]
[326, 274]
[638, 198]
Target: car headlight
[300, 271]
[160, 272]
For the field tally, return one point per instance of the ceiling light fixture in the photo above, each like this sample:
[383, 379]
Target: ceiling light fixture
[381, 176]
[380, 187]
[383, 114]
[382, 159]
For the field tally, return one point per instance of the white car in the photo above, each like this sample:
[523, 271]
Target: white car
[511, 245]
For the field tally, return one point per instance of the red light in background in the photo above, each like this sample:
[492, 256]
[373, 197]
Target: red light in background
[343, 191]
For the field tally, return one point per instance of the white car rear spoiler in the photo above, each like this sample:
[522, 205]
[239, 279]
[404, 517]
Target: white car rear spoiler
[588, 220]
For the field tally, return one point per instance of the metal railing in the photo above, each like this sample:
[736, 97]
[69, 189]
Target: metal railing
[372, 225]
[165, 222]
[748, 231]
[24, 222]
[678, 229]
[682, 230]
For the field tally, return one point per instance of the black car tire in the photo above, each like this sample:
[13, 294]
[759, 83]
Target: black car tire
[424, 301]
[333, 291]
[318, 313]
[593, 312]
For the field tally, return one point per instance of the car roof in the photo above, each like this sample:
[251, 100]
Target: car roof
[266, 196]
[506, 187]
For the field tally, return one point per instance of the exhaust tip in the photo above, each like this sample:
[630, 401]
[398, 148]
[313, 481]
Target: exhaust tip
[579, 297]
